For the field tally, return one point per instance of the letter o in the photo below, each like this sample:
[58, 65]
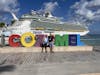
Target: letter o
[28, 39]
[14, 40]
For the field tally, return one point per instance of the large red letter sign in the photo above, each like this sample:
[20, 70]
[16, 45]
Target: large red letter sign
[14, 40]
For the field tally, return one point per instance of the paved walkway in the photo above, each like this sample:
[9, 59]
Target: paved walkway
[65, 63]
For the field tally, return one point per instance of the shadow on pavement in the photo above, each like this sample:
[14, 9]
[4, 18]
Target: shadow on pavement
[7, 68]
[96, 48]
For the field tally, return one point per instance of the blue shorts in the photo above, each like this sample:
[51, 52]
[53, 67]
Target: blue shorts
[50, 44]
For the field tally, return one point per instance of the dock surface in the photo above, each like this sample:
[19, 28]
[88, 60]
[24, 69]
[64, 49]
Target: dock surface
[58, 63]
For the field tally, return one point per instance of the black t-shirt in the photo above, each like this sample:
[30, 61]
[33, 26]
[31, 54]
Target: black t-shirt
[50, 38]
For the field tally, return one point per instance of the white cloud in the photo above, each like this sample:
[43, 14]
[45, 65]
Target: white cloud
[94, 3]
[85, 9]
[50, 6]
[8, 5]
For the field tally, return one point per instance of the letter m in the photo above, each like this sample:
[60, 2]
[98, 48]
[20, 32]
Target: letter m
[61, 40]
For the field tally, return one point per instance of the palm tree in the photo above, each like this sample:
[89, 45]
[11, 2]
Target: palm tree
[2, 24]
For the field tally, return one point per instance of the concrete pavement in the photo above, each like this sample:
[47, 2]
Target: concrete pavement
[65, 63]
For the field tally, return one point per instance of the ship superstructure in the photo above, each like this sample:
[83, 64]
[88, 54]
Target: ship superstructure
[38, 23]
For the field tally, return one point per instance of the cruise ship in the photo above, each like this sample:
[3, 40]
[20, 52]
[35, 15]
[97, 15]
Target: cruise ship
[43, 23]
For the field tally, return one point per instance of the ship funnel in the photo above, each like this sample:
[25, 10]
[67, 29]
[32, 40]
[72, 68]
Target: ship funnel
[14, 16]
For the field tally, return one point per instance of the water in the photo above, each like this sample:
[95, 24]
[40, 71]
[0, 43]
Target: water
[91, 39]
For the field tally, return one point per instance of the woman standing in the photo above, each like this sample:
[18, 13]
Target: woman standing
[44, 43]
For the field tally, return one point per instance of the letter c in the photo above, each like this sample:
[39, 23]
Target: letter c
[14, 40]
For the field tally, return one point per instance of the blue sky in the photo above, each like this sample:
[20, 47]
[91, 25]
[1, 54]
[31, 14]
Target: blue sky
[61, 10]
[80, 11]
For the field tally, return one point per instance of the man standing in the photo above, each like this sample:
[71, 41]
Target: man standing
[51, 41]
